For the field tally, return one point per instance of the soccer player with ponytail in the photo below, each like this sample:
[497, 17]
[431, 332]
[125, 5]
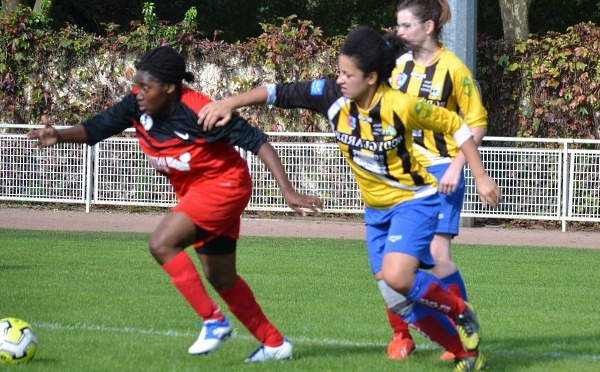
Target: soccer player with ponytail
[430, 71]
[373, 126]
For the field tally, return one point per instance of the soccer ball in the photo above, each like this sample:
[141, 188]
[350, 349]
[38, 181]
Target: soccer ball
[18, 343]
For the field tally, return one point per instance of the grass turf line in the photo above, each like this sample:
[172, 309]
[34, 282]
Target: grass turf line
[101, 303]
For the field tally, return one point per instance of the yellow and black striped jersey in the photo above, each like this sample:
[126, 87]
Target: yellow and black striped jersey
[444, 82]
[376, 141]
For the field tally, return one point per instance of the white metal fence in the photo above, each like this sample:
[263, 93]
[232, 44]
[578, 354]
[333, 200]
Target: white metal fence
[541, 179]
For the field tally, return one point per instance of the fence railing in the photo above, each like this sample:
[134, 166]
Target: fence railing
[541, 179]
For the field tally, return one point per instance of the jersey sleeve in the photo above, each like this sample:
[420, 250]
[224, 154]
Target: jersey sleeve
[112, 121]
[468, 98]
[316, 95]
[238, 132]
[424, 115]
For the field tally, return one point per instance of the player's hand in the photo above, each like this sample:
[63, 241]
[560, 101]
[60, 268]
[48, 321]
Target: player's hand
[302, 203]
[488, 191]
[216, 113]
[449, 181]
[46, 136]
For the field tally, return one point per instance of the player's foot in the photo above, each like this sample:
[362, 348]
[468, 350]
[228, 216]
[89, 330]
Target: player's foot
[467, 326]
[400, 348]
[266, 353]
[473, 363]
[447, 356]
[213, 333]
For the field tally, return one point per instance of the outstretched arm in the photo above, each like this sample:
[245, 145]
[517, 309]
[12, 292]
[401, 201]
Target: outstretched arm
[49, 135]
[449, 181]
[488, 191]
[218, 113]
[296, 201]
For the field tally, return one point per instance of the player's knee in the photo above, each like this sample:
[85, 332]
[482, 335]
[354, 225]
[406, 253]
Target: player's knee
[395, 301]
[221, 281]
[160, 248]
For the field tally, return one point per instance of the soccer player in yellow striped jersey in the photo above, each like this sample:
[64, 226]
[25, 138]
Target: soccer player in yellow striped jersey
[373, 126]
[430, 71]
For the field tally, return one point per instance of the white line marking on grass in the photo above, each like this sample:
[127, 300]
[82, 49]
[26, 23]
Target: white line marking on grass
[299, 339]
[99, 328]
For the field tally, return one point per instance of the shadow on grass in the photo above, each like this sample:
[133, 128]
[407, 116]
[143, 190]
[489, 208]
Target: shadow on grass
[13, 267]
[517, 354]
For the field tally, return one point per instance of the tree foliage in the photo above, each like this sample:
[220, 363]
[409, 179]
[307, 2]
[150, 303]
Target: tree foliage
[542, 87]
[238, 20]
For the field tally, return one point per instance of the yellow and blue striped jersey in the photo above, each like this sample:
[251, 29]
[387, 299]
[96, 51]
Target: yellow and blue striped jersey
[444, 82]
[376, 141]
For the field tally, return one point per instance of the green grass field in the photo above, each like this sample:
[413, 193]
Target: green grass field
[99, 302]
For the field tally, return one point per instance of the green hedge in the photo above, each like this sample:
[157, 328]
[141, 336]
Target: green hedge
[544, 87]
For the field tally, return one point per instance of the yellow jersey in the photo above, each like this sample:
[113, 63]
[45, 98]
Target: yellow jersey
[376, 141]
[445, 82]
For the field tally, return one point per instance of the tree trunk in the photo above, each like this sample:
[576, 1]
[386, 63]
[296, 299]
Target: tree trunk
[37, 8]
[515, 20]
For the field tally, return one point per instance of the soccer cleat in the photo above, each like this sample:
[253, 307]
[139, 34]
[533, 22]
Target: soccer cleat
[467, 326]
[212, 334]
[474, 363]
[401, 348]
[447, 356]
[267, 353]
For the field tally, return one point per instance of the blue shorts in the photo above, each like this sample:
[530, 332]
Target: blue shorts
[449, 218]
[407, 227]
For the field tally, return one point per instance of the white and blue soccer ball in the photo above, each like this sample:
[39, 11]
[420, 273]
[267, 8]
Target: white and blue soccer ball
[18, 342]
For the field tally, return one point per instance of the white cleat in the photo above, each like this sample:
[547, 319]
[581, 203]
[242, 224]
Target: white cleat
[213, 333]
[267, 353]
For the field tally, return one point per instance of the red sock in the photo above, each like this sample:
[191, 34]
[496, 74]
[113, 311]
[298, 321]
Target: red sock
[243, 305]
[436, 329]
[186, 279]
[455, 290]
[398, 325]
[442, 300]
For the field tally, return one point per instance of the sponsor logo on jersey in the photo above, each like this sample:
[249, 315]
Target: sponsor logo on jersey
[364, 118]
[352, 122]
[146, 121]
[418, 75]
[436, 91]
[436, 103]
[183, 136]
[401, 80]
[468, 87]
[425, 88]
[422, 109]
[375, 146]
[166, 163]
[377, 129]
[316, 87]
[390, 131]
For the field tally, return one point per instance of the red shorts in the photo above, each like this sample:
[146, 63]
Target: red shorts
[216, 206]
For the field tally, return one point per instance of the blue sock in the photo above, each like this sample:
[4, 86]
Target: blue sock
[422, 282]
[420, 312]
[455, 280]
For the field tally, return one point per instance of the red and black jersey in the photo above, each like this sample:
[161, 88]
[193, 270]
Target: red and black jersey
[176, 145]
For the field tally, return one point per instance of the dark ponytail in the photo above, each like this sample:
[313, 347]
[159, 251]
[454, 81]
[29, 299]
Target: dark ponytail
[371, 52]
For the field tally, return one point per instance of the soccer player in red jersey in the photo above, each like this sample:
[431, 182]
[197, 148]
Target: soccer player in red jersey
[212, 184]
